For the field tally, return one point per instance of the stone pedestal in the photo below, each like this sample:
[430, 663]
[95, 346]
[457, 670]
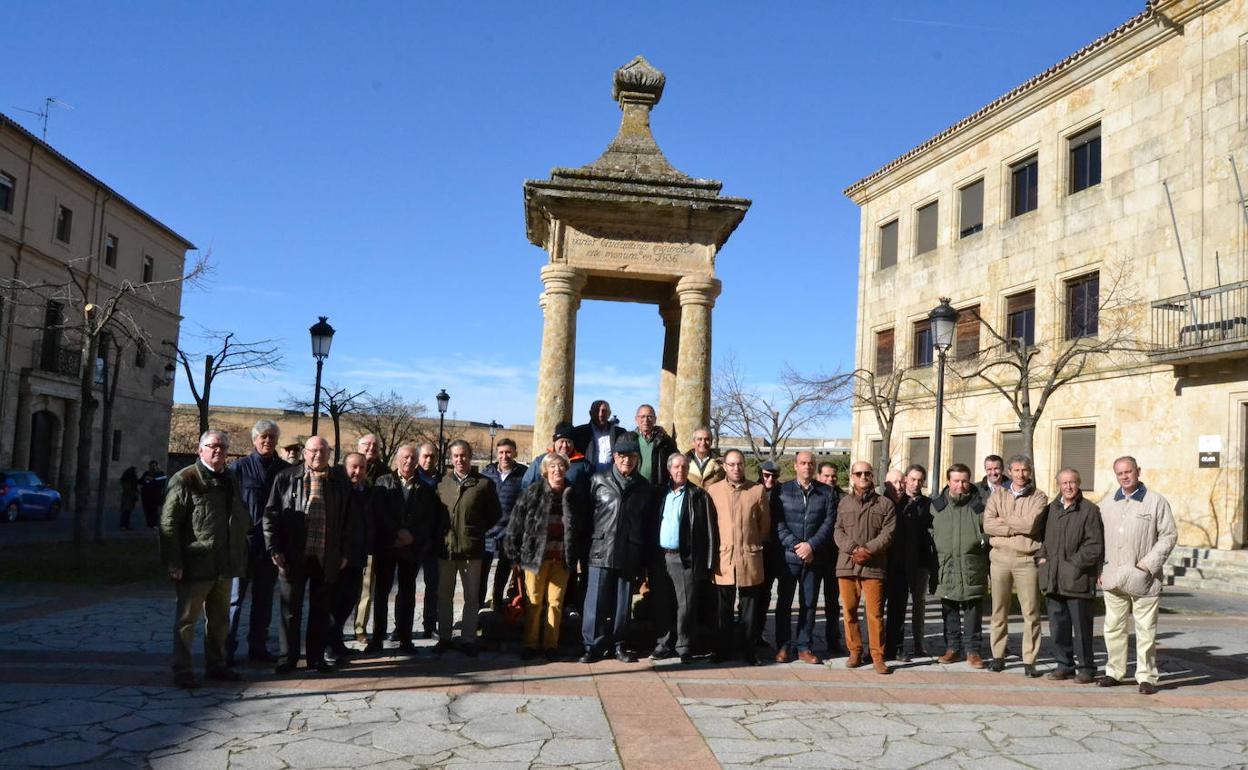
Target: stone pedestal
[693, 370]
[556, 372]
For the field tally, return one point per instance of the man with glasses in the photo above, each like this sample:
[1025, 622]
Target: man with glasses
[773, 558]
[864, 532]
[254, 475]
[656, 446]
[303, 534]
[203, 545]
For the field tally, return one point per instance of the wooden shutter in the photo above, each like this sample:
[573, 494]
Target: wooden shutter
[920, 451]
[884, 353]
[966, 336]
[963, 451]
[1079, 452]
[1020, 302]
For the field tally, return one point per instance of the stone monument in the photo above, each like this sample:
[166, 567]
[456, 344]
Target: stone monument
[629, 227]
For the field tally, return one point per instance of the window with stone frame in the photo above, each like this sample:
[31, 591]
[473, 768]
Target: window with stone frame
[971, 209]
[1083, 306]
[888, 245]
[64, 223]
[925, 228]
[149, 269]
[8, 192]
[1085, 159]
[1079, 452]
[884, 353]
[110, 250]
[1020, 317]
[922, 354]
[966, 334]
[1025, 186]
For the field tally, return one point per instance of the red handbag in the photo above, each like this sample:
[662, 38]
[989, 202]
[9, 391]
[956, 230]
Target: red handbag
[513, 613]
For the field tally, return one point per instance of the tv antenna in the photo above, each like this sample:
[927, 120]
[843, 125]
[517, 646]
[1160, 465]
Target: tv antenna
[47, 110]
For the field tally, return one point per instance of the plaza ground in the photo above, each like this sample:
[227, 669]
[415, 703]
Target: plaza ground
[84, 682]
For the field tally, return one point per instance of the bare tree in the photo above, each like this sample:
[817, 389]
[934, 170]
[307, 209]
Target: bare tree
[109, 375]
[768, 422]
[888, 396]
[336, 400]
[228, 356]
[1028, 376]
[393, 419]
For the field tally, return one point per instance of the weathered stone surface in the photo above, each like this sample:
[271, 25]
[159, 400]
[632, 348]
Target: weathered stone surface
[56, 753]
[216, 759]
[317, 753]
[410, 738]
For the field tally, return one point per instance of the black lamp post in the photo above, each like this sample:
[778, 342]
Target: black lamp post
[944, 320]
[494, 426]
[443, 400]
[322, 336]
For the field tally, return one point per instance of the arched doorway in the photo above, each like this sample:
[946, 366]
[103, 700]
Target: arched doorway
[44, 428]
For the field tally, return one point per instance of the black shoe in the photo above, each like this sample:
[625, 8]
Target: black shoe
[223, 675]
[373, 646]
[186, 680]
[1029, 671]
[528, 653]
[552, 655]
[901, 658]
[262, 656]
[752, 660]
[283, 668]
[324, 667]
[1148, 688]
[1058, 675]
[686, 660]
[662, 653]
[428, 634]
[407, 648]
[998, 665]
[342, 651]
[470, 650]
[442, 646]
[395, 636]
[1107, 681]
[624, 656]
[588, 657]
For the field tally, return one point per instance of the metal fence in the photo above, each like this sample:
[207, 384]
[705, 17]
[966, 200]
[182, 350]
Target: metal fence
[1206, 317]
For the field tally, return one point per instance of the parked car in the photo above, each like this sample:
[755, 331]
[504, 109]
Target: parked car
[23, 495]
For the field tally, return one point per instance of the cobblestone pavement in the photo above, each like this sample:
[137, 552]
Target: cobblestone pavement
[84, 683]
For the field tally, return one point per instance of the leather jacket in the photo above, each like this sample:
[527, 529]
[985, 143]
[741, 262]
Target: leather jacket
[620, 519]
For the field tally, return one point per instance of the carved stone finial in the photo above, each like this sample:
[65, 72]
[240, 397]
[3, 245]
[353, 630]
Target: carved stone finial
[638, 81]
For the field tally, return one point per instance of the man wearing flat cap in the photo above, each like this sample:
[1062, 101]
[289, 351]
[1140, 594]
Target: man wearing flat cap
[621, 501]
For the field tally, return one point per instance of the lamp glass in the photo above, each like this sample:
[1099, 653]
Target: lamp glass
[322, 336]
[443, 400]
[944, 321]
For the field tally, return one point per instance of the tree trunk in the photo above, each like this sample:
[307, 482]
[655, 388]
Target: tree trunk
[1027, 429]
[206, 400]
[86, 415]
[337, 418]
[885, 459]
[106, 437]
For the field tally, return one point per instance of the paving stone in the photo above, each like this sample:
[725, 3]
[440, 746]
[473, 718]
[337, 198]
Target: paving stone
[125, 724]
[854, 747]
[319, 753]
[498, 730]
[944, 723]
[67, 713]
[721, 727]
[870, 724]
[408, 738]
[1198, 756]
[784, 729]
[753, 750]
[217, 759]
[255, 759]
[1098, 759]
[572, 717]
[901, 755]
[577, 751]
[13, 734]
[53, 753]
[151, 738]
[519, 754]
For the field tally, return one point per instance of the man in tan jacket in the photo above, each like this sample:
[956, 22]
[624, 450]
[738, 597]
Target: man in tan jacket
[1014, 523]
[742, 516]
[865, 521]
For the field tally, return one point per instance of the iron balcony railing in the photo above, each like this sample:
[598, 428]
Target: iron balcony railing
[63, 361]
[1209, 318]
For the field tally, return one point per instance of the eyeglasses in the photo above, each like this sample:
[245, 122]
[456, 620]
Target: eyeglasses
[768, 475]
[862, 474]
[214, 447]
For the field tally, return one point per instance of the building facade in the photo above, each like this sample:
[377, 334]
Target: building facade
[1095, 207]
[55, 218]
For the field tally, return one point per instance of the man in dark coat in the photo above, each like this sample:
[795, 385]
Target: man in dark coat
[804, 517]
[682, 550]
[203, 546]
[831, 586]
[596, 438]
[152, 493]
[1069, 563]
[364, 513]
[401, 550]
[621, 501]
[508, 478]
[303, 536]
[254, 475]
[655, 446]
[912, 567]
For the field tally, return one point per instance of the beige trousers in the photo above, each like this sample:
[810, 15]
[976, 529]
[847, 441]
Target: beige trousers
[1015, 573]
[1144, 609]
[364, 610]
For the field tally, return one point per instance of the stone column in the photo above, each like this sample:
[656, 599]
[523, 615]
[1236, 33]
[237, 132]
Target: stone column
[558, 365]
[693, 370]
[670, 313]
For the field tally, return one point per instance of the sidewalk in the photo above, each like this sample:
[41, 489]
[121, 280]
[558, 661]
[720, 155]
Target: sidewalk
[84, 675]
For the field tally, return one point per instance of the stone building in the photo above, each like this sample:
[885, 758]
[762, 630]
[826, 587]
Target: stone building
[54, 214]
[1045, 217]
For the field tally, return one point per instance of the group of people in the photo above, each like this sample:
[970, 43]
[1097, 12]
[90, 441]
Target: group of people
[605, 513]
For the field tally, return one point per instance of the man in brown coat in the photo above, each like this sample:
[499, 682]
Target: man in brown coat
[863, 534]
[741, 512]
[1014, 523]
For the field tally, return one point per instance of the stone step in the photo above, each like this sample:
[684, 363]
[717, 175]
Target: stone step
[1187, 582]
[1211, 555]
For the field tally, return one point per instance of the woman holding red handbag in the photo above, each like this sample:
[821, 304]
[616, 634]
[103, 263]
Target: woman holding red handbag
[540, 538]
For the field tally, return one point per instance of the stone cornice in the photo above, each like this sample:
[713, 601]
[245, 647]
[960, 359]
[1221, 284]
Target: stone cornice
[1160, 21]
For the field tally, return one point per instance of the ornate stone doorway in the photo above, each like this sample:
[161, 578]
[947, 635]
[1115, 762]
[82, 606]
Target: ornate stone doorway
[629, 227]
[45, 430]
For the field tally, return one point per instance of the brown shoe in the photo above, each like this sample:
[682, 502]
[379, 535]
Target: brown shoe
[974, 661]
[854, 660]
[1148, 688]
[784, 656]
[950, 656]
[806, 656]
[1084, 677]
[881, 667]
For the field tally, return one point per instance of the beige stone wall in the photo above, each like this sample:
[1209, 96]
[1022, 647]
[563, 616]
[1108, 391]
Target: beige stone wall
[30, 253]
[1172, 107]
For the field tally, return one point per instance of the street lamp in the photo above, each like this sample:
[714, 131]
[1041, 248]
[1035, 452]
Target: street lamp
[322, 336]
[944, 319]
[443, 400]
[493, 432]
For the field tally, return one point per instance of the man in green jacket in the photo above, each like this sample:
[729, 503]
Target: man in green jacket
[467, 507]
[203, 545]
[962, 553]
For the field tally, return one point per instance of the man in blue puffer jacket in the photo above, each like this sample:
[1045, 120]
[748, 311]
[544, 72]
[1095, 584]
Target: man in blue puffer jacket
[507, 475]
[804, 512]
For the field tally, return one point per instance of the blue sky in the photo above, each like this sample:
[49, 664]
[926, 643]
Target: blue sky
[365, 161]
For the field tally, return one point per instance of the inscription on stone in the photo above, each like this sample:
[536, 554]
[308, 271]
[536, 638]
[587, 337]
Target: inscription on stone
[633, 250]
